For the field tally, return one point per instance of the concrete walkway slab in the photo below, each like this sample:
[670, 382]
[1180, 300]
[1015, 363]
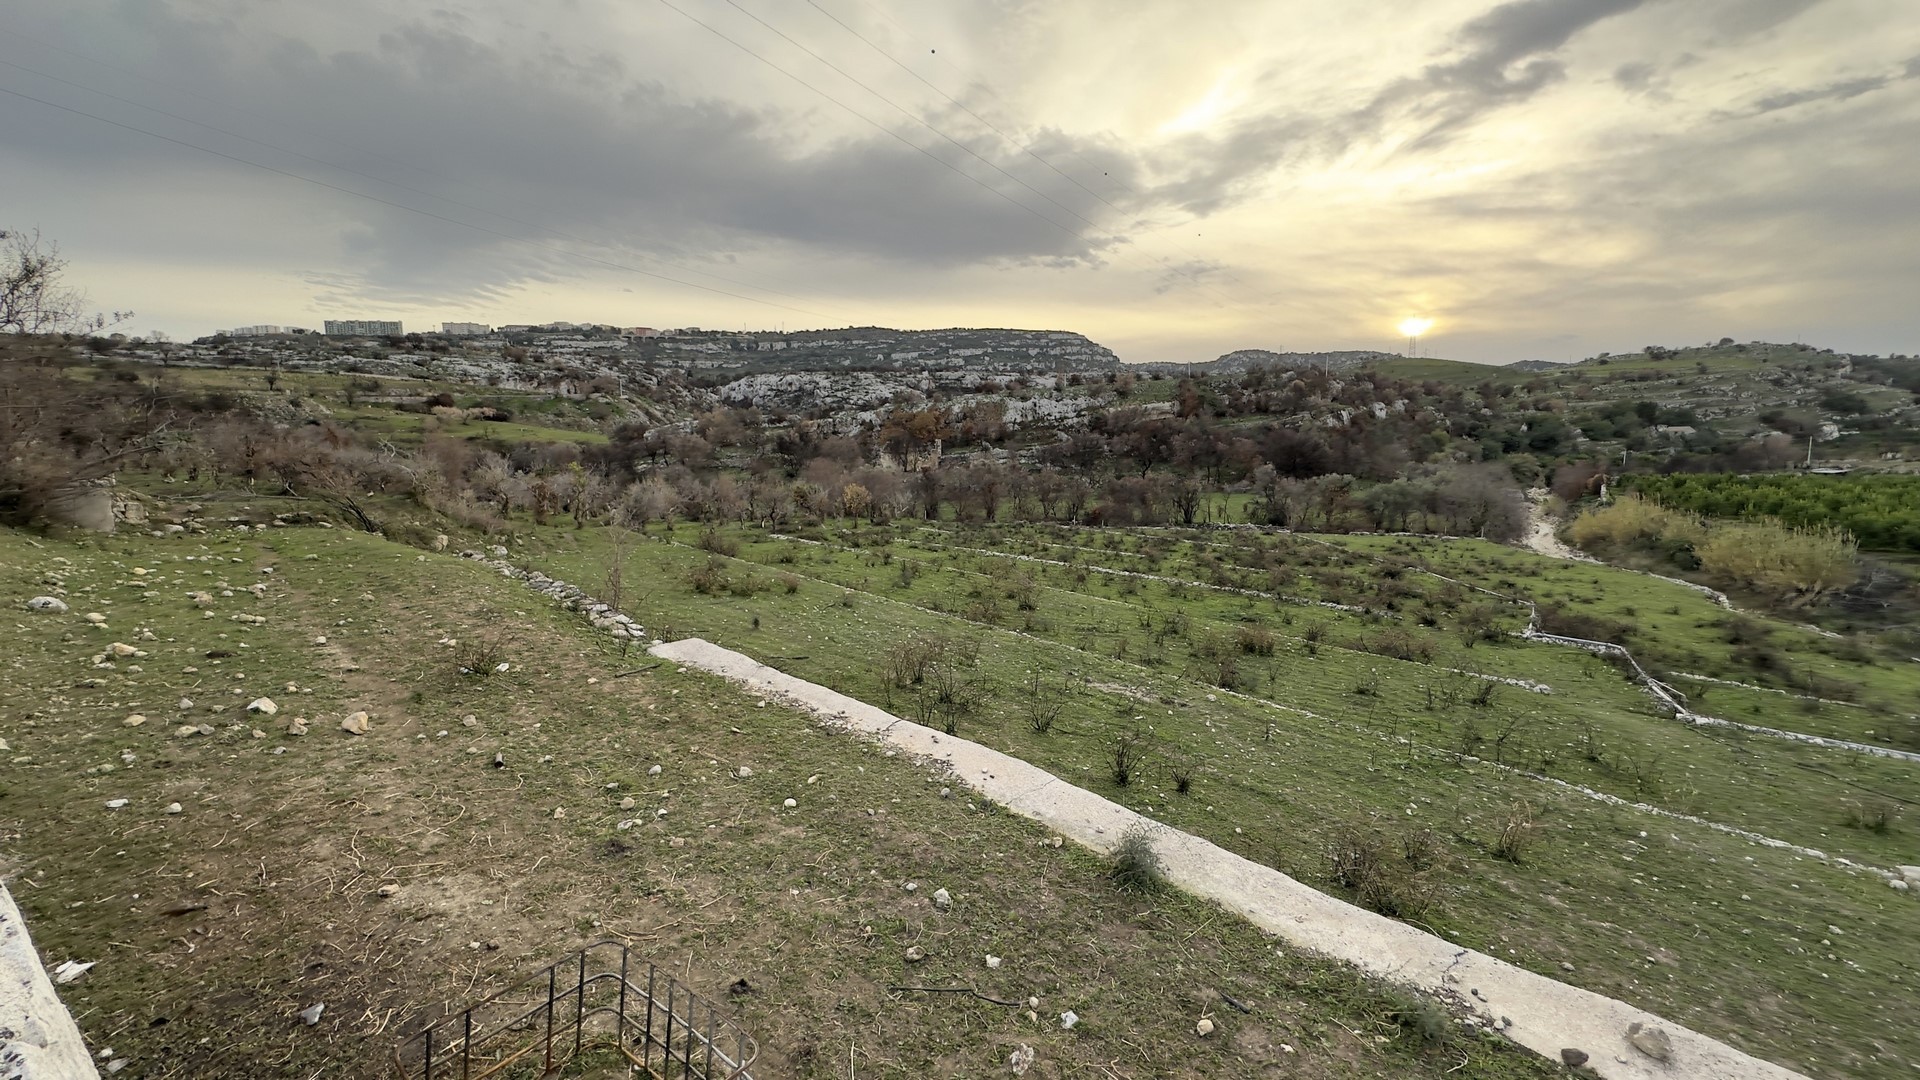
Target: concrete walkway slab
[38, 1039]
[1547, 1016]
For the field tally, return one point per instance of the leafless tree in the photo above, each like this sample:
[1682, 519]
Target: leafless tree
[33, 298]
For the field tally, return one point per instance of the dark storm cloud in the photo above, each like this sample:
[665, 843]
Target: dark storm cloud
[557, 146]
[1501, 58]
[1840, 90]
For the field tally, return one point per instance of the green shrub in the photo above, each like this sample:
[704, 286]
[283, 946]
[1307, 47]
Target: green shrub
[1136, 866]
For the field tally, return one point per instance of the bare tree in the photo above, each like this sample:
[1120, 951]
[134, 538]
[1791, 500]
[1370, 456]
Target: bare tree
[33, 299]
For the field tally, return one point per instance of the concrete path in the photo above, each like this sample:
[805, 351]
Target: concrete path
[38, 1039]
[1546, 1016]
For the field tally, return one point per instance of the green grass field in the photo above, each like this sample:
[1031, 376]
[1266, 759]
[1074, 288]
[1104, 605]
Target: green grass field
[1714, 930]
[213, 926]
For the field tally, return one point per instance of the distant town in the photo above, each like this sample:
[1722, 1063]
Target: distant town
[394, 328]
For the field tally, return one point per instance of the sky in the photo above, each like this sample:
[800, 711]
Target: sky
[1542, 179]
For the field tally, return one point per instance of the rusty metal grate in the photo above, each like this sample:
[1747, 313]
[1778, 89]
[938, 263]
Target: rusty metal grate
[597, 996]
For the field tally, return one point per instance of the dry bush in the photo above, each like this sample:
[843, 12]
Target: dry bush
[1795, 565]
[1632, 520]
[1516, 833]
[1255, 640]
[1873, 815]
[1129, 751]
[1393, 876]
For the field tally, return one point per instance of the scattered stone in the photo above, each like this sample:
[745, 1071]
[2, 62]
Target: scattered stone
[1565, 966]
[356, 724]
[626, 803]
[946, 793]
[1910, 874]
[470, 720]
[790, 804]
[123, 650]
[559, 813]
[115, 804]
[135, 720]
[175, 808]
[311, 1014]
[263, 706]
[186, 730]
[942, 899]
[186, 703]
[95, 618]
[677, 842]
[655, 771]
[297, 726]
[49, 604]
[1573, 1058]
[742, 773]
[1022, 1059]
[993, 962]
[389, 889]
[1068, 1019]
[915, 954]
[1205, 1027]
[1652, 1042]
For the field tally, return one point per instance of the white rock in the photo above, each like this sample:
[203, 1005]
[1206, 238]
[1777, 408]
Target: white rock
[297, 726]
[68, 971]
[1204, 1028]
[626, 803]
[175, 808]
[1021, 1059]
[942, 899]
[50, 604]
[1068, 1019]
[993, 961]
[95, 618]
[743, 772]
[655, 771]
[264, 706]
[311, 1014]
[790, 804]
[389, 889]
[356, 724]
[115, 804]
[134, 720]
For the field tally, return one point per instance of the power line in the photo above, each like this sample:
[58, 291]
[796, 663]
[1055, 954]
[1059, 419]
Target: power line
[875, 124]
[910, 114]
[402, 206]
[392, 183]
[905, 141]
[958, 104]
[995, 128]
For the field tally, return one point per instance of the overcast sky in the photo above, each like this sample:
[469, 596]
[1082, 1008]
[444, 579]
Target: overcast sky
[1542, 178]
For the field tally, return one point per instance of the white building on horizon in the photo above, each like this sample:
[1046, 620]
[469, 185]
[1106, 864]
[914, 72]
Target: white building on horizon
[260, 330]
[362, 328]
[465, 329]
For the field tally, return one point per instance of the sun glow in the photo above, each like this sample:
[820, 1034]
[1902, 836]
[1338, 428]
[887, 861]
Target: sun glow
[1415, 327]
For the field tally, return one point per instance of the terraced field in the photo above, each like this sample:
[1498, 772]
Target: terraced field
[1310, 690]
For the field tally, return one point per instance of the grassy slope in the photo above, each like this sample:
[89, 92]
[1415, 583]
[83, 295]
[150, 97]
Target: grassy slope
[1711, 930]
[287, 849]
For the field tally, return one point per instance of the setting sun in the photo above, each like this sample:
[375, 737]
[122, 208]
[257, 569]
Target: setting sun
[1415, 327]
